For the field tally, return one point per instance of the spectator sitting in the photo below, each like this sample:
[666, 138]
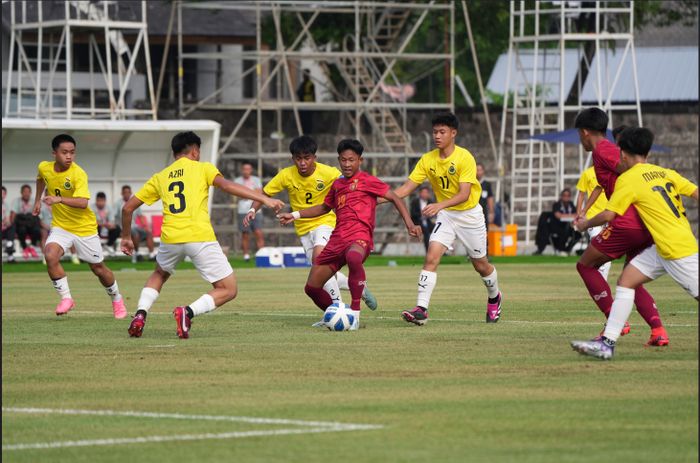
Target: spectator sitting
[140, 229]
[8, 228]
[26, 224]
[555, 227]
[105, 221]
[417, 205]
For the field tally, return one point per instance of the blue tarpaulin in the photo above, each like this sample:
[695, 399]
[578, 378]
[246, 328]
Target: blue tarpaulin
[571, 136]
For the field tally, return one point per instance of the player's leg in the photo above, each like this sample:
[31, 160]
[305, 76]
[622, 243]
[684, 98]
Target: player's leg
[643, 300]
[318, 276]
[367, 296]
[355, 256]
[313, 243]
[57, 244]
[604, 269]
[684, 271]
[211, 263]
[427, 279]
[166, 260]
[598, 288]
[89, 249]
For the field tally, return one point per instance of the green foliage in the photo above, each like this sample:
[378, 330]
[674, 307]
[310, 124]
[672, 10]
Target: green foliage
[665, 13]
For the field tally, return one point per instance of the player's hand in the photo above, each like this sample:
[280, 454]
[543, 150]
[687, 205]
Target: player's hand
[127, 246]
[415, 231]
[37, 209]
[431, 210]
[50, 201]
[285, 218]
[581, 224]
[275, 204]
[249, 217]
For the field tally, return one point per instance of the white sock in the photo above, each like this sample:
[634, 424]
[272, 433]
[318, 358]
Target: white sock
[619, 313]
[491, 283]
[331, 288]
[113, 292]
[426, 284]
[605, 269]
[203, 305]
[342, 281]
[61, 287]
[147, 298]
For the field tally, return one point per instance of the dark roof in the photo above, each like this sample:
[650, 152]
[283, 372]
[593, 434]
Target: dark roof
[199, 22]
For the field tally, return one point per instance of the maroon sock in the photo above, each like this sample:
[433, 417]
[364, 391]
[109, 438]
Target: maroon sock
[356, 277]
[320, 297]
[647, 307]
[598, 288]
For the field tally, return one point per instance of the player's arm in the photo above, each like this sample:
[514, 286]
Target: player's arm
[250, 215]
[235, 189]
[314, 211]
[127, 214]
[78, 203]
[604, 217]
[404, 190]
[40, 185]
[462, 195]
[413, 229]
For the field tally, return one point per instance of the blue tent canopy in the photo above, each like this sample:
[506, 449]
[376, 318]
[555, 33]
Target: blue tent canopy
[571, 136]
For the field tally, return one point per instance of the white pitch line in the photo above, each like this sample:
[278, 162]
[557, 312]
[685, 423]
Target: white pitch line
[182, 437]
[181, 416]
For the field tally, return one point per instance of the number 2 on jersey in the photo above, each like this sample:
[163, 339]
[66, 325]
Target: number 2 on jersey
[667, 198]
[308, 197]
[180, 197]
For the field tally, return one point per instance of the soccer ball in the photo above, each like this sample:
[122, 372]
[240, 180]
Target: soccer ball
[338, 317]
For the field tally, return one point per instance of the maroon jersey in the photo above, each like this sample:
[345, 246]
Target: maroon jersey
[355, 200]
[606, 157]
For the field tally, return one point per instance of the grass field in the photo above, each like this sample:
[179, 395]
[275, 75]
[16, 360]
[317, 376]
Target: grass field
[455, 390]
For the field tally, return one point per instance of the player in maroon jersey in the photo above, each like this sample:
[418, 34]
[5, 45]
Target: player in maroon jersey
[626, 235]
[354, 199]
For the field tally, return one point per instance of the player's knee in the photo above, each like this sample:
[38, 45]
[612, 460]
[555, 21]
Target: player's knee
[580, 268]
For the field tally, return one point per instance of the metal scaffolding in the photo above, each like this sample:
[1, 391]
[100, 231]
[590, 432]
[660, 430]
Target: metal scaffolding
[357, 72]
[555, 48]
[42, 80]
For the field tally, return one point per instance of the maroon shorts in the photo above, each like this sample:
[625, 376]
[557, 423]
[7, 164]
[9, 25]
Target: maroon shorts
[616, 242]
[333, 254]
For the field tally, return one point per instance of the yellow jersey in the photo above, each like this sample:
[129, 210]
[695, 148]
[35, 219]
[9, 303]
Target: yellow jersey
[183, 187]
[655, 192]
[445, 175]
[587, 184]
[305, 192]
[71, 183]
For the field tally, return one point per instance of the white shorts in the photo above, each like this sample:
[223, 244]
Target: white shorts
[88, 248]
[319, 236]
[468, 226]
[595, 231]
[207, 257]
[684, 271]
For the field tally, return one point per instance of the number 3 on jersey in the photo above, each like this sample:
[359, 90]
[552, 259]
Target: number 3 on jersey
[180, 187]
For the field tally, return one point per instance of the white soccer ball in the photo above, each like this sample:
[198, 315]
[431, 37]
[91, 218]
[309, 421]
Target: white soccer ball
[338, 317]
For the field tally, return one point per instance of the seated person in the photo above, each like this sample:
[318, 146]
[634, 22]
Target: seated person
[8, 228]
[140, 229]
[26, 224]
[555, 227]
[105, 221]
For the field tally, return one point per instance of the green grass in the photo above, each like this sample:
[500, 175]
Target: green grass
[456, 389]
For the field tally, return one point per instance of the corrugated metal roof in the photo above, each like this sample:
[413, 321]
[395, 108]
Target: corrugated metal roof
[664, 74]
[547, 79]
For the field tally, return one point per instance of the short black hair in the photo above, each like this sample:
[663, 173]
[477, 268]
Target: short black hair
[100, 194]
[617, 131]
[4, 189]
[124, 187]
[25, 186]
[184, 140]
[592, 119]
[565, 190]
[303, 145]
[636, 140]
[448, 119]
[247, 163]
[62, 138]
[352, 145]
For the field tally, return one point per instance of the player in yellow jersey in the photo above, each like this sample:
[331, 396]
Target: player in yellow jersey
[73, 223]
[587, 185]
[183, 187]
[655, 192]
[451, 171]
[307, 182]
